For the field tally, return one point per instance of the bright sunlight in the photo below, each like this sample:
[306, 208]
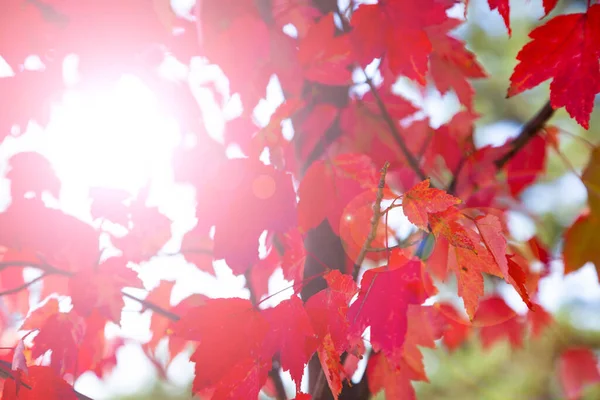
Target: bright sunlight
[112, 137]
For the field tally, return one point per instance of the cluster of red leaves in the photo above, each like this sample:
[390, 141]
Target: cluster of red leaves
[324, 179]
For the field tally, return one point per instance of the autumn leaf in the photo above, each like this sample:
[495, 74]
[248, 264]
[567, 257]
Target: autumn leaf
[549, 6]
[44, 382]
[578, 367]
[524, 168]
[216, 326]
[197, 249]
[100, 288]
[60, 333]
[580, 244]
[565, 49]
[490, 229]
[421, 200]
[328, 187]
[383, 300]
[325, 58]
[383, 375]
[498, 321]
[503, 8]
[291, 335]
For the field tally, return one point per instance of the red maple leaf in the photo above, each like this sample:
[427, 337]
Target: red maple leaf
[503, 8]
[578, 367]
[291, 336]
[498, 321]
[565, 49]
[421, 200]
[100, 288]
[524, 168]
[44, 383]
[326, 58]
[328, 187]
[221, 349]
[257, 197]
[383, 300]
[31, 172]
[197, 248]
[60, 333]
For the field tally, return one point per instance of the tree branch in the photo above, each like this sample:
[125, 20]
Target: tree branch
[151, 306]
[23, 286]
[528, 132]
[410, 158]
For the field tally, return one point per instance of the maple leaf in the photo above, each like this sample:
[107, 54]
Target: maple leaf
[580, 244]
[327, 309]
[549, 6]
[31, 172]
[302, 14]
[44, 384]
[60, 333]
[450, 66]
[503, 8]
[58, 239]
[421, 200]
[291, 335]
[498, 321]
[327, 188]
[490, 229]
[332, 367]
[244, 379]
[253, 189]
[426, 324]
[100, 288]
[325, 58]
[216, 326]
[565, 49]
[384, 375]
[458, 327]
[526, 165]
[197, 249]
[150, 232]
[312, 127]
[578, 367]
[161, 297]
[404, 22]
[96, 353]
[383, 300]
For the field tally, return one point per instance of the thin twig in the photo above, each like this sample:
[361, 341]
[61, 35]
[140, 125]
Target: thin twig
[410, 158]
[151, 306]
[23, 286]
[374, 221]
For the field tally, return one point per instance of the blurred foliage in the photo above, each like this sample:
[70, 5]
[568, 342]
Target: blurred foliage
[501, 373]
[159, 391]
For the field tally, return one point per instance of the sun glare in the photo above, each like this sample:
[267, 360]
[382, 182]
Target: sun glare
[114, 136]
